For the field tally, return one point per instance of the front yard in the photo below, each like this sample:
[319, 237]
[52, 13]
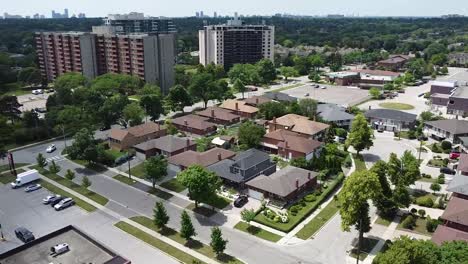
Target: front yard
[173, 185]
[138, 171]
[320, 220]
[418, 227]
[258, 232]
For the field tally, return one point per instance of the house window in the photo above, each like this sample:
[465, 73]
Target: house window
[451, 102]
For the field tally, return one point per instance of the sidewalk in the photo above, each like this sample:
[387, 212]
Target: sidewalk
[118, 217]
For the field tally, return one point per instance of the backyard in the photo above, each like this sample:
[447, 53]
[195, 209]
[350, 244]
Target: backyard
[396, 106]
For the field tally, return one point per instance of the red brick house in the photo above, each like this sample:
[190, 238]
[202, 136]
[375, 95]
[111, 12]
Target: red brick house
[219, 116]
[194, 124]
[394, 62]
[257, 100]
[122, 139]
[167, 146]
[184, 160]
[299, 124]
[291, 145]
[240, 108]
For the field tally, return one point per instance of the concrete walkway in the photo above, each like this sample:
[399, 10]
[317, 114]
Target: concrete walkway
[130, 222]
[387, 235]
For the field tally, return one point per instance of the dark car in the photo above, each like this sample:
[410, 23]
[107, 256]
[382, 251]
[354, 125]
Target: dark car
[422, 138]
[56, 200]
[447, 171]
[24, 234]
[241, 201]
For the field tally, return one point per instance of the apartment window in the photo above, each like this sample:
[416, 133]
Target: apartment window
[451, 102]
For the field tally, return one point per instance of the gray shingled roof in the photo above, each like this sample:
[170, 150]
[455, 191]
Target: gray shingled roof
[453, 126]
[333, 112]
[283, 182]
[459, 184]
[167, 143]
[390, 114]
[282, 97]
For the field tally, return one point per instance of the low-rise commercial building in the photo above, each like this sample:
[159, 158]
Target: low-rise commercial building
[450, 129]
[394, 62]
[391, 120]
[363, 78]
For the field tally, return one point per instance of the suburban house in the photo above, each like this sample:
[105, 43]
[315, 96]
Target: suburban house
[335, 114]
[363, 78]
[291, 145]
[167, 146]
[455, 216]
[257, 100]
[394, 62]
[236, 171]
[299, 124]
[240, 108]
[194, 124]
[122, 139]
[449, 129]
[219, 116]
[391, 120]
[285, 185]
[183, 160]
[458, 59]
[280, 97]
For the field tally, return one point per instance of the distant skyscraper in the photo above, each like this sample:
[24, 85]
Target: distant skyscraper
[201, 14]
[138, 23]
[65, 13]
[215, 15]
[197, 14]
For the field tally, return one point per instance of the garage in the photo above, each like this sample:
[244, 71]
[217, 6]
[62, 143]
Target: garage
[255, 194]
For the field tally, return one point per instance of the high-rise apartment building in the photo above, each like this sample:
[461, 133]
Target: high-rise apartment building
[236, 42]
[150, 57]
[138, 23]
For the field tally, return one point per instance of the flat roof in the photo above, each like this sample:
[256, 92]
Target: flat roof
[83, 249]
[461, 92]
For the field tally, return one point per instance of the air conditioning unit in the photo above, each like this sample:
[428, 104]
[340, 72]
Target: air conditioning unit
[59, 249]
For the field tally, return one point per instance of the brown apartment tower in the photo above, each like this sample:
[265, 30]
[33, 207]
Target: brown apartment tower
[150, 57]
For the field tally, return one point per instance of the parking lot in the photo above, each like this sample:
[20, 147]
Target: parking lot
[341, 95]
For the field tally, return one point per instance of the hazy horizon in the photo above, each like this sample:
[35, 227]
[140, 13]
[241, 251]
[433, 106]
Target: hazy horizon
[181, 8]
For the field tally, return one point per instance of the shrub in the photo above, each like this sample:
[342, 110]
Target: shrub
[431, 224]
[425, 201]
[347, 163]
[422, 212]
[425, 175]
[413, 210]
[446, 145]
[294, 210]
[409, 222]
[310, 198]
[277, 219]
[441, 204]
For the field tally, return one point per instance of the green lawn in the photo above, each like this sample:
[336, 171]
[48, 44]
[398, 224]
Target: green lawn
[366, 247]
[439, 163]
[396, 106]
[93, 166]
[6, 178]
[124, 179]
[75, 187]
[383, 221]
[157, 243]
[173, 185]
[258, 232]
[320, 220]
[161, 194]
[359, 161]
[138, 171]
[420, 226]
[175, 236]
[115, 153]
[287, 87]
[219, 202]
[7, 167]
[54, 189]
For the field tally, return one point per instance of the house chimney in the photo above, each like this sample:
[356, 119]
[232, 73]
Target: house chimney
[256, 101]
[159, 126]
[188, 142]
[297, 183]
[212, 112]
[286, 145]
[308, 175]
[237, 106]
[219, 156]
[185, 122]
[274, 120]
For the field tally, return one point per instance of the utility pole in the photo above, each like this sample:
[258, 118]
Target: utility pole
[129, 172]
[2, 238]
[64, 138]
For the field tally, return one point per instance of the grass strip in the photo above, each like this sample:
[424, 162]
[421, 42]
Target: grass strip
[359, 161]
[124, 179]
[173, 185]
[319, 220]
[257, 231]
[175, 236]
[6, 167]
[54, 189]
[287, 87]
[396, 106]
[157, 243]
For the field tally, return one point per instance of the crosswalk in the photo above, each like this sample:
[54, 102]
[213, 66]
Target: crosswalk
[55, 158]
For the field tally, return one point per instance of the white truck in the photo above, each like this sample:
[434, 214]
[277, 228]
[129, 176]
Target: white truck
[25, 178]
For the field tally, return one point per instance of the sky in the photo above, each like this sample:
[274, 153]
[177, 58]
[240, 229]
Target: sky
[177, 8]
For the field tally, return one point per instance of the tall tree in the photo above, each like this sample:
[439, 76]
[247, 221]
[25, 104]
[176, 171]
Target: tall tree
[82, 140]
[160, 215]
[201, 183]
[155, 168]
[266, 71]
[152, 104]
[288, 72]
[30, 76]
[218, 244]
[133, 114]
[272, 109]
[308, 108]
[187, 231]
[250, 134]
[239, 87]
[111, 110]
[202, 87]
[358, 188]
[41, 160]
[178, 98]
[360, 135]
[407, 250]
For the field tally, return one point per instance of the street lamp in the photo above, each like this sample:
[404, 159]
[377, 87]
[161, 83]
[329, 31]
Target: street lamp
[2, 238]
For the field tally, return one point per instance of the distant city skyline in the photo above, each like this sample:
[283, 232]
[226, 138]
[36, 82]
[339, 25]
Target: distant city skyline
[177, 8]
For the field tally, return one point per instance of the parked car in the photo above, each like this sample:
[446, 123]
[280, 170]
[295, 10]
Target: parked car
[306, 95]
[65, 203]
[51, 148]
[240, 201]
[49, 198]
[40, 110]
[32, 188]
[339, 139]
[454, 155]
[447, 171]
[24, 234]
[323, 87]
[37, 92]
[316, 86]
[50, 90]
[422, 138]
[57, 199]
[380, 130]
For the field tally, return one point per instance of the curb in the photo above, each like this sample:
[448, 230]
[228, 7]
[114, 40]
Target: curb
[34, 144]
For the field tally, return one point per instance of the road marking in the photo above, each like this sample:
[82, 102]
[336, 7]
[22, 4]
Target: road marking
[55, 158]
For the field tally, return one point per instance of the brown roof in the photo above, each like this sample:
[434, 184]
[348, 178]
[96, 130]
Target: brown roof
[284, 181]
[445, 233]
[257, 100]
[377, 72]
[395, 59]
[456, 211]
[204, 159]
[167, 143]
[137, 131]
[294, 141]
[300, 124]
[463, 164]
[241, 106]
[219, 113]
[193, 121]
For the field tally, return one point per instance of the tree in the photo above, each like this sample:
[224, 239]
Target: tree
[421, 213]
[202, 87]
[187, 231]
[41, 161]
[178, 98]
[70, 175]
[111, 110]
[266, 71]
[54, 168]
[272, 109]
[155, 168]
[248, 215]
[239, 87]
[407, 250]
[435, 187]
[90, 154]
[30, 76]
[250, 134]
[360, 135]
[314, 76]
[246, 73]
[201, 183]
[133, 114]
[308, 107]
[444, 70]
[375, 93]
[384, 201]
[358, 188]
[83, 139]
[86, 182]
[218, 244]
[288, 72]
[160, 215]
[404, 171]
[151, 101]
